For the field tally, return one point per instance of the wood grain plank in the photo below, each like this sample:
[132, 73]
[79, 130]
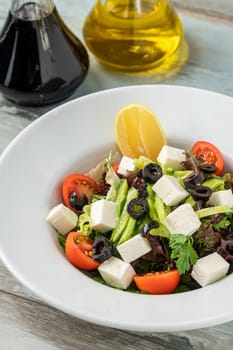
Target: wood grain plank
[4, 9]
[33, 325]
[40, 325]
[10, 285]
[13, 120]
[216, 9]
[27, 321]
[222, 9]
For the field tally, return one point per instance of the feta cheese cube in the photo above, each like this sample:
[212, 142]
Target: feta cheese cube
[209, 269]
[103, 215]
[116, 272]
[169, 190]
[182, 220]
[126, 166]
[134, 248]
[62, 219]
[224, 197]
[171, 157]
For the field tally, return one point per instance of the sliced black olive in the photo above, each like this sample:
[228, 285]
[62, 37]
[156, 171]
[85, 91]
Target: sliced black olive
[138, 208]
[208, 168]
[139, 173]
[152, 172]
[201, 193]
[77, 203]
[102, 249]
[142, 191]
[194, 179]
[200, 204]
[149, 226]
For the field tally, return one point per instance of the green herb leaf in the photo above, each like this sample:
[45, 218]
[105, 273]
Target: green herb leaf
[224, 223]
[183, 252]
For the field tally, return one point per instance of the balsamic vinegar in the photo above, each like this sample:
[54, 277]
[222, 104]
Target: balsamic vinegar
[41, 60]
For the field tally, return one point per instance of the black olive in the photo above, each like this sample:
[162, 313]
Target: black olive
[152, 172]
[77, 203]
[208, 168]
[102, 249]
[138, 208]
[201, 193]
[196, 178]
[139, 173]
[142, 191]
[149, 226]
[200, 204]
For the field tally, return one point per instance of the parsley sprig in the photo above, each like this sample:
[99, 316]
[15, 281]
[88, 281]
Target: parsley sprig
[224, 223]
[183, 251]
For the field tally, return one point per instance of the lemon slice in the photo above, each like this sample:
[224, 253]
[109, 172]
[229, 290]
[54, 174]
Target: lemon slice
[151, 132]
[127, 132]
[138, 132]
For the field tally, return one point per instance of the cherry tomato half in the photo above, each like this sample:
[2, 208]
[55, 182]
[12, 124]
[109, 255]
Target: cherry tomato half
[164, 282]
[80, 184]
[78, 249]
[116, 167]
[210, 154]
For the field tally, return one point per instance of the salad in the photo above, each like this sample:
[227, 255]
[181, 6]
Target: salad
[156, 227]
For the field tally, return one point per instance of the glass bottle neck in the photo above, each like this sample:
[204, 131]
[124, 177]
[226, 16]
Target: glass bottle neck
[31, 10]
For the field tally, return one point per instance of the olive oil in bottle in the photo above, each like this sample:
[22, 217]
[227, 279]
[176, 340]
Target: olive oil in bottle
[133, 35]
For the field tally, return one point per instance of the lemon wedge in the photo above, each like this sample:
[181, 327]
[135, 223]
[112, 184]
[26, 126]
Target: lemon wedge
[138, 132]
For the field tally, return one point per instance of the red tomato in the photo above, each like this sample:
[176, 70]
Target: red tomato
[78, 249]
[210, 154]
[163, 282]
[79, 183]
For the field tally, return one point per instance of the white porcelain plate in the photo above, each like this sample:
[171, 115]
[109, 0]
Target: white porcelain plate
[73, 137]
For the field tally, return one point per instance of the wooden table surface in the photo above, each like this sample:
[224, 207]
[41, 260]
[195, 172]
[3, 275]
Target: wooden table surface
[26, 323]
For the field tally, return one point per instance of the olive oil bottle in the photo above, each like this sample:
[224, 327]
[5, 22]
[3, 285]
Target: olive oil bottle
[133, 35]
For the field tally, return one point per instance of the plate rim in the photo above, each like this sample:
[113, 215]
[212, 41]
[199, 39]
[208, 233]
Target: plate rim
[23, 280]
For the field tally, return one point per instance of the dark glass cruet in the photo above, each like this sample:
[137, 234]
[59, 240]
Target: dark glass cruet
[41, 60]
